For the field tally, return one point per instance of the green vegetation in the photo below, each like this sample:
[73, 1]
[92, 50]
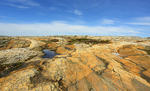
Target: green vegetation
[4, 42]
[50, 41]
[6, 68]
[147, 49]
[87, 41]
[54, 40]
[148, 52]
[13, 43]
[140, 41]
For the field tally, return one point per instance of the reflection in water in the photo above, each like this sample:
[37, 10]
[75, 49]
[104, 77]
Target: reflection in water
[49, 54]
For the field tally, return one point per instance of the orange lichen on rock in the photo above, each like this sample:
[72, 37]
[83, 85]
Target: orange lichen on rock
[117, 66]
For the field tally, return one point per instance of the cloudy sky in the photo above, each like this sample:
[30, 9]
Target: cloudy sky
[75, 17]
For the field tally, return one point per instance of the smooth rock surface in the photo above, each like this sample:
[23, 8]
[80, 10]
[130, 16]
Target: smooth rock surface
[117, 66]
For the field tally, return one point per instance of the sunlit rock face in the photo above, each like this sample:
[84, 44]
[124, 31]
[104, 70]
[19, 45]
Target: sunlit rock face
[9, 43]
[92, 64]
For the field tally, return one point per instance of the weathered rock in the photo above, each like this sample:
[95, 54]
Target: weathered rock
[17, 55]
[9, 43]
[117, 66]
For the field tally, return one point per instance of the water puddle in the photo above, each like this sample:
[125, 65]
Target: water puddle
[117, 54]
[49, 53]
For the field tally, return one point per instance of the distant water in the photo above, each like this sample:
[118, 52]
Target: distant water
[49, 54]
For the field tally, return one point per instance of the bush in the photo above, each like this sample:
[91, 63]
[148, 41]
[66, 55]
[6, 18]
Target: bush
[54, 40]
[87, 41]
[50, 41]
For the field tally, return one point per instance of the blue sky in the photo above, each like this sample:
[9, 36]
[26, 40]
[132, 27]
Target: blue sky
[75, 17]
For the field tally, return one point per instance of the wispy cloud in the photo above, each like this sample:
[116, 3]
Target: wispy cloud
[107, 21]
[143, 18]
[25, 2]
[143, 21]
[21, 3]
[17, 6]
[52, 8]
[62, 28]
[140, 23]
[2, 16]
[77, 12]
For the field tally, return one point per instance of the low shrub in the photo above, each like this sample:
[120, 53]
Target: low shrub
[50, 40]
[87, 41]
[147, 49]
[6, 68]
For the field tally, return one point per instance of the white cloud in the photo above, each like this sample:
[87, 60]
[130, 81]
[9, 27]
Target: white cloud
[52, 8]
[32, 3]
[107, 21]
[144, 21]
[18, 6]
[62, 28]
[22, 3]
[2, 16]
[77, 12]
[140, 23]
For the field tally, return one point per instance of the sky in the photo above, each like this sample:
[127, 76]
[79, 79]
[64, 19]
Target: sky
[75, 17]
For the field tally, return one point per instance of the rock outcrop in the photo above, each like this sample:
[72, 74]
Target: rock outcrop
[112, 66]
[9, 43]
